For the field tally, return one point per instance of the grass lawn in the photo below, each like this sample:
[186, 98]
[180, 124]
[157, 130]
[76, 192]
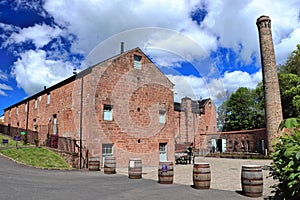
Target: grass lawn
[11, 142]
[31, 155]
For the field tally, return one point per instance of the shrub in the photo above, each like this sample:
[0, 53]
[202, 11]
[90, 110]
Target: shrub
[286, 161]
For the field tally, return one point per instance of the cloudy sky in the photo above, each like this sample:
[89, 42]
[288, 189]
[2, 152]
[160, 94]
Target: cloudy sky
[206, 48]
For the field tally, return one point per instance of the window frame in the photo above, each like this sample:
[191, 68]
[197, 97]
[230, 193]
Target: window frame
[162, 116]
[36, 103]
[107, 112]
[137, 61]
[48, 97]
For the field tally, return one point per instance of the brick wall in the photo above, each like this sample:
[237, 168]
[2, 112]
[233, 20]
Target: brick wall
[240, 141]
[137, 97]
[194, 121]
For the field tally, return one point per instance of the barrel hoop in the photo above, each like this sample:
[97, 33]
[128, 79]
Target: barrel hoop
[259, 184]
[201, 172]
[208, 180]
[252, 179]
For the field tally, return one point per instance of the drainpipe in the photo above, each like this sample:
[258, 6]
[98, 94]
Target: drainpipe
[27, 116]
[80, 131]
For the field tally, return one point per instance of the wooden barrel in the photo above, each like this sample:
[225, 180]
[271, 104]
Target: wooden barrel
[201, 176]
[165, 172]
[109, 165]
[252, 180]
[135, 168]
[94, 164]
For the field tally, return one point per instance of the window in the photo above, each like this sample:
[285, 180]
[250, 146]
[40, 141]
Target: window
[230, 144]
[34, 125]
[54, 124]
[17, 110]
[48, 97]
[162, 117]
[107, 150]
[107, 113]
[35, 103]
[137, 62]
[206, 128]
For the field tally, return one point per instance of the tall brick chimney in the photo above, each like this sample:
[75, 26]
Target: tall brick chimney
[273, 110]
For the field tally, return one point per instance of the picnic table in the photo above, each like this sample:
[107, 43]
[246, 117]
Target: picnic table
[182, 159]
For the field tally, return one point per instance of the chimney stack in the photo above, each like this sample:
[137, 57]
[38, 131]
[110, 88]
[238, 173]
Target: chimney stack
[122, 47]
[273, 110]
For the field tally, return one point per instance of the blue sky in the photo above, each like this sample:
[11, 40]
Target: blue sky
[206, 48]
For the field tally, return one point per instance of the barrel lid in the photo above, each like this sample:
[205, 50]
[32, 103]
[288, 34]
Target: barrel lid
[202, 163]
[254, 166]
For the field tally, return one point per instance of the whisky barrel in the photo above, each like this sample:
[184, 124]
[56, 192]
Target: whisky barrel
[165, 172]
[252, 180]
[110, 165]
[135, 168]
[94, 164]
[201, 176]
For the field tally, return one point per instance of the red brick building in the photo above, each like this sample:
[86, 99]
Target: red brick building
[122, 106]
[193, 120]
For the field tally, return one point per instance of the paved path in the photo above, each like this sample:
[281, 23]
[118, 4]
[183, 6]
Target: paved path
[21, 182]
[225, 173]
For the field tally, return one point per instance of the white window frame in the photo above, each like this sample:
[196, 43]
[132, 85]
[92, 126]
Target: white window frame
[35, 103]
[107, 112]
[162, 116]
[137, 61]
[48, 98]
[107, 150]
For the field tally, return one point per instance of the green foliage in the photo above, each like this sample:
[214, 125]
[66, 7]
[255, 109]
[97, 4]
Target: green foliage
[243, 110]
[289, 82]
[286, 161]
[290, 95]
[292, 65]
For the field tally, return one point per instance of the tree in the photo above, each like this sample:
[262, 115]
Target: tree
[290, 94]
[289, 82]
[244, 110]
[292, 65]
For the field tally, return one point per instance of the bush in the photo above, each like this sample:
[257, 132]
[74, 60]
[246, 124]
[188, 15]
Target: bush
[286, 161]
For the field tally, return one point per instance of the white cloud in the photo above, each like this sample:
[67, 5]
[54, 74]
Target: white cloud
[215, 88]
[234, 23]
[40, 35]
[33, 71]
[101, 20]
[3, 86]
[229, 24]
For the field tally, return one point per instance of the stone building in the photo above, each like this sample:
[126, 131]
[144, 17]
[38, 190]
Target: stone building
[122, 106]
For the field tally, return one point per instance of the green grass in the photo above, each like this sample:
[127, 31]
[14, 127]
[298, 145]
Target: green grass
[38, 157]
[31, 155]
[11, 142]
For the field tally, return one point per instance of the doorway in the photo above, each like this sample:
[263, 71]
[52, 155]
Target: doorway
[107, 150]
[221, 145]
